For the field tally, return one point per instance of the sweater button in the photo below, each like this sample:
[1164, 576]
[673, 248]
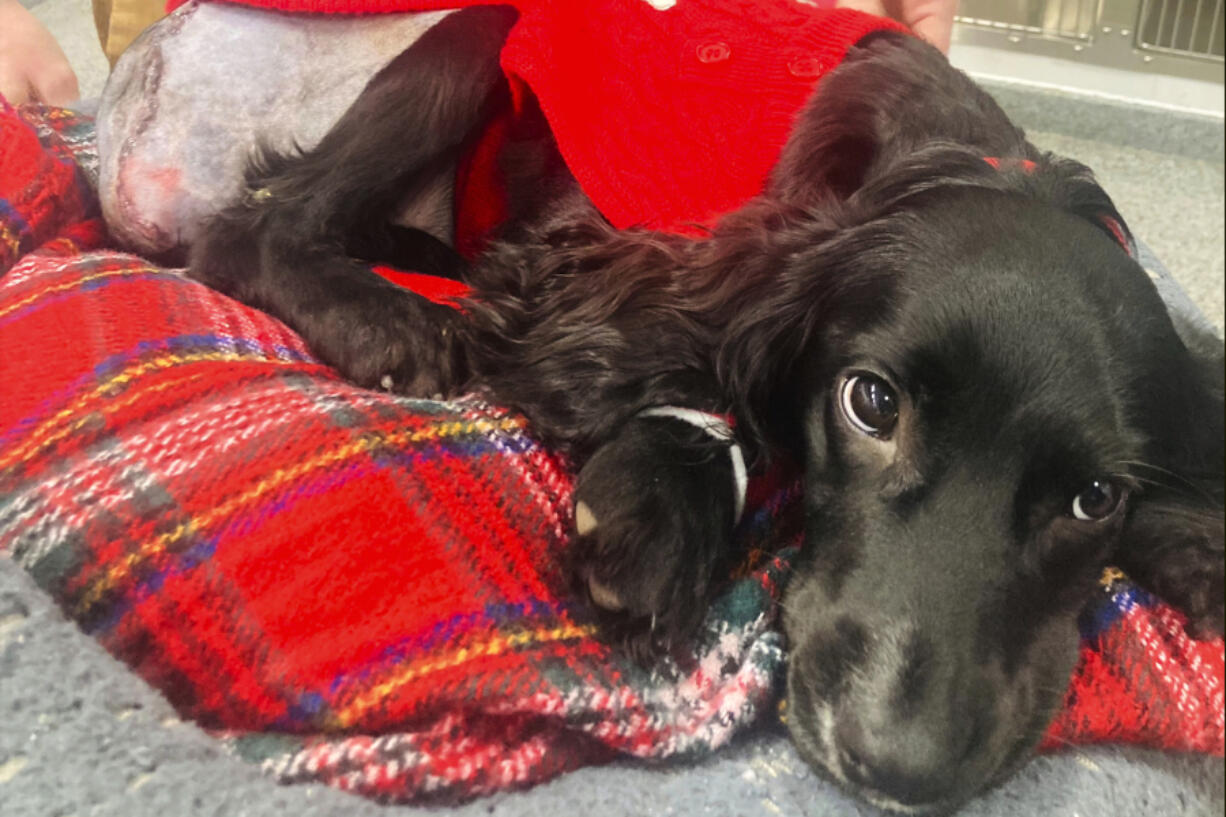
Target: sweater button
[713, 52]
[805, 67]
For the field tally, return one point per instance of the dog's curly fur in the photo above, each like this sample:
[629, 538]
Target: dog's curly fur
[1029, 371]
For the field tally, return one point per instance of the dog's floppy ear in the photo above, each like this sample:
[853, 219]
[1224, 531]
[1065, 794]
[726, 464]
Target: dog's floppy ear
[894, 118]
[1173, 540]
[891, 94]
[810, 281]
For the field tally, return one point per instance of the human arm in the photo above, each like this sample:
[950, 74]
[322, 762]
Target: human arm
[932, 20]
[32, 65]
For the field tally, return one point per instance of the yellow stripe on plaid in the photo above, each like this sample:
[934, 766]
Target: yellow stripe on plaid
[62, 246]
[74, 284]
[349, 714]
[11, 239]
[282, 476]
[46, 433]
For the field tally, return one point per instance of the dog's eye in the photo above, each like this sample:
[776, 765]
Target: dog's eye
[870, 404]
[1098, 501]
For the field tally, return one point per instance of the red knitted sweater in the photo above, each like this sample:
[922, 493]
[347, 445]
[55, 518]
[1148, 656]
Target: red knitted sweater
[667, 118]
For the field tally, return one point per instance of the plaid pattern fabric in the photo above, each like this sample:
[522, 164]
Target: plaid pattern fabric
[368, 590]
[45, 192]
[1141, 679]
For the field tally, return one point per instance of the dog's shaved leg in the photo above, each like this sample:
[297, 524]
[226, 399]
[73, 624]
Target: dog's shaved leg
[282, 249]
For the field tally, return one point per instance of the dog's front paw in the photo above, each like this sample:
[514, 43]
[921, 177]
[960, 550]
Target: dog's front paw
[376, 334]
[654, 513]
[392, 339]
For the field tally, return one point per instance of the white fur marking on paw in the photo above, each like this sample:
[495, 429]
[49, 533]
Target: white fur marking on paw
[585, 520]
[386, 382]
[603, 597]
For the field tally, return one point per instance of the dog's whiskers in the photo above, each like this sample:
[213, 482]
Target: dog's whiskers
[1178, 479]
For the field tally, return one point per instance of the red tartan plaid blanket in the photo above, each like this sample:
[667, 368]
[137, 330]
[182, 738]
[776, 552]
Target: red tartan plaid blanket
[366, 590]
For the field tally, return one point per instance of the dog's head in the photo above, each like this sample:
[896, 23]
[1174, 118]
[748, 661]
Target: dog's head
[992, 405]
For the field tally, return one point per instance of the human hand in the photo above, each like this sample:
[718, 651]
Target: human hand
[32, 65]
[932, 20]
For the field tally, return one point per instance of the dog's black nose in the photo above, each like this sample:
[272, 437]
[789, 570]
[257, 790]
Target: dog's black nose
[913, 764]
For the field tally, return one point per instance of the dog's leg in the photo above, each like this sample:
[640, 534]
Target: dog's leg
[282, 249]
[591, 332]
[410, 249]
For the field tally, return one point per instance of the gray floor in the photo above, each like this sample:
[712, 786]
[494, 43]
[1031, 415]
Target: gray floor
[1174, 204]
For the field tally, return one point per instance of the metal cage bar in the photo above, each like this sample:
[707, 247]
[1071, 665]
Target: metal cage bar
[1187, 20]
[1066, 19]
[1189, 29]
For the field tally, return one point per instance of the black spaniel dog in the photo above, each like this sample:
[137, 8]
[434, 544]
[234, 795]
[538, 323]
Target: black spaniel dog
[987, 396]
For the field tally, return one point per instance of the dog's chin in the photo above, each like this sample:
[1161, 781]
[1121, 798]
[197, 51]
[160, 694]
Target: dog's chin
[815, 756]
[811, 726]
